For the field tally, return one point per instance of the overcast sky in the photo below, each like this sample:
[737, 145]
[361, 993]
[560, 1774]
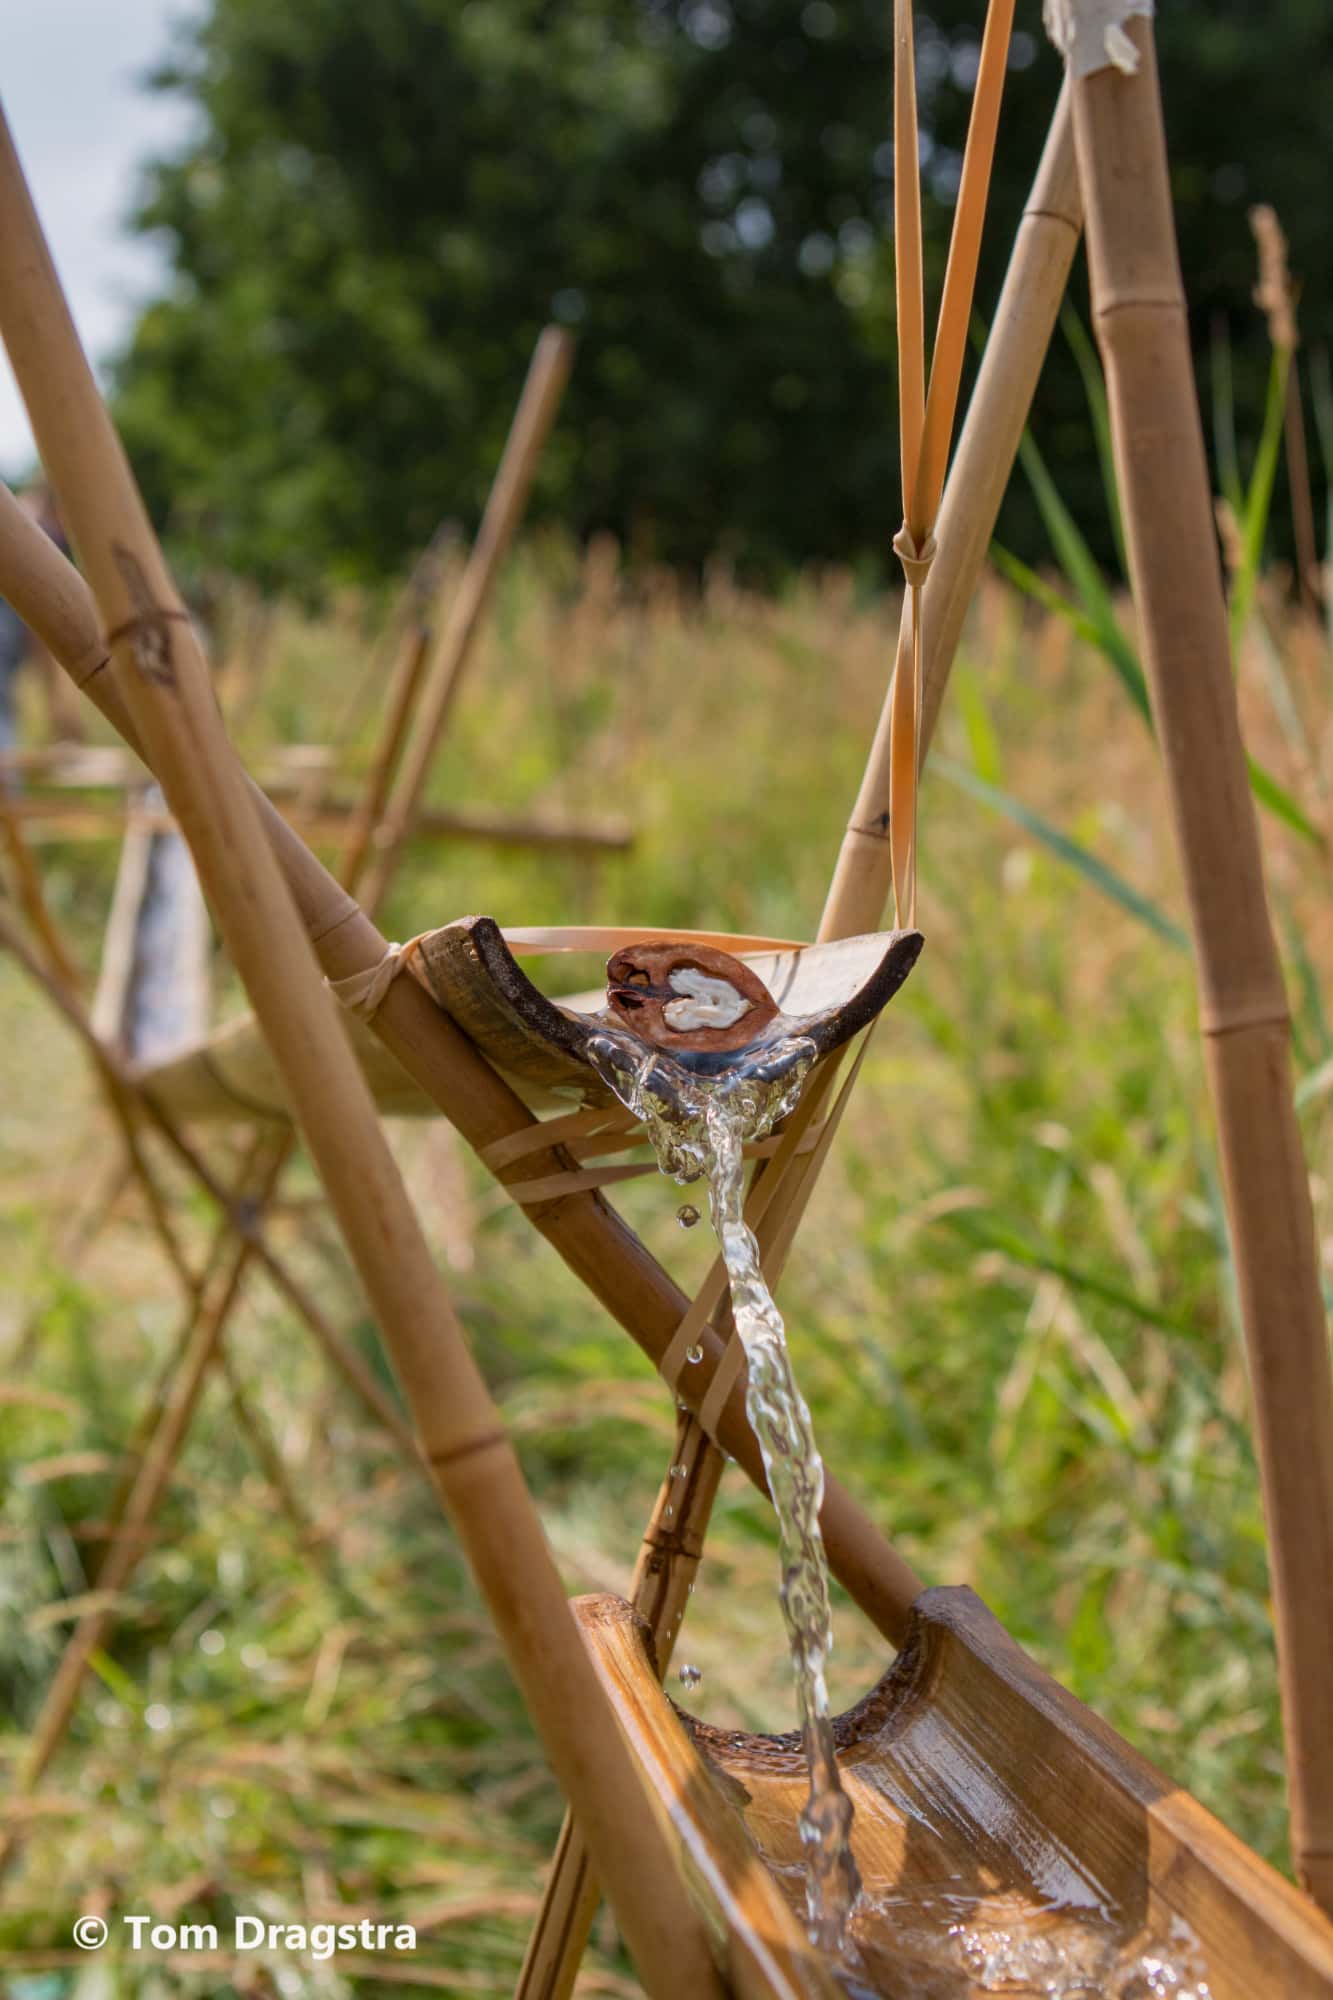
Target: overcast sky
[83, 123]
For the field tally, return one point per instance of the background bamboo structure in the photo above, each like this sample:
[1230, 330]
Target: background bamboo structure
[442, 671]
[239, 1240]
[1139, 313]
[165, 684]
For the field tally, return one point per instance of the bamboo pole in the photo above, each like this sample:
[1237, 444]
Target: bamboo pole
[545, 384]
[601, 1251]
[1138, 307]
[1020, 335]
[164, 680]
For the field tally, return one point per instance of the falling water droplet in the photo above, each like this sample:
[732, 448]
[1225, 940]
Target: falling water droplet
[680, 1472]
[687, 1215]
[689, 1677]
[694, 1353]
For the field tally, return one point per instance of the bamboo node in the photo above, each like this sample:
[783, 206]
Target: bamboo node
[440, 1461]
[915, 561]
[148, 629]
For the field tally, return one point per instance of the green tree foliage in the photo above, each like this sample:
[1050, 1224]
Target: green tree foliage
[382, 205]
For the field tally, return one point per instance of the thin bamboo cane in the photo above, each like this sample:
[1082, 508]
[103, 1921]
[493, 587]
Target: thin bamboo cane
[586, 1233]
[1139, 311]
[45, 818]
[1020, 335]
[164, 680]
[547, 375]
[369, 810]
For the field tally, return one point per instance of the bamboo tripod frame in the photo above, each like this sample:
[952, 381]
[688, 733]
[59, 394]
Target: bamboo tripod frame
[164, 680]
[1251, 1086]
[214, 1296]
[862, 882]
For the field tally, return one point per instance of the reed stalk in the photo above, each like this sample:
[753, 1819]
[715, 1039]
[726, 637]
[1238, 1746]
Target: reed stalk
[1020, 334]
[1139, 312]
[545, 385]
[163, 677]
[595, 1243]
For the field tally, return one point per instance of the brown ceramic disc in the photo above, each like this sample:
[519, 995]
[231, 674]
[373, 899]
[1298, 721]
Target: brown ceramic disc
[689, 998]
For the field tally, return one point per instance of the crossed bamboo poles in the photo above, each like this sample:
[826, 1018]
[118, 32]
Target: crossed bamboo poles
[213, 1296]
[601, 1250]
[162, 677]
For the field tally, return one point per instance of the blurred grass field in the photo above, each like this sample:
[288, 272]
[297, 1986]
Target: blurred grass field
[1011, 1308]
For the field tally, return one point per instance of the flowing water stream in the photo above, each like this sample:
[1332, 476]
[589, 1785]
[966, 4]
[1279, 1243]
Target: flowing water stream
[1061, 1939]
[699, 1125]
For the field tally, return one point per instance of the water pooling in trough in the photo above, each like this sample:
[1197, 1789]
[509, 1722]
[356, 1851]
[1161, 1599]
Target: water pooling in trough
[698, 1125]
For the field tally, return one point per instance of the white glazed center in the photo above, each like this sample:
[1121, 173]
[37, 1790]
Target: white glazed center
[709, 1002]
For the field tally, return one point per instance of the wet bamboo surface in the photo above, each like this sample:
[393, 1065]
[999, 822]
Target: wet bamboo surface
[1139, 313]
[1008, 1841]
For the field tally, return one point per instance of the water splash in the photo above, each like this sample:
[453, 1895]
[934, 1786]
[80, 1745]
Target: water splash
[699, 1125]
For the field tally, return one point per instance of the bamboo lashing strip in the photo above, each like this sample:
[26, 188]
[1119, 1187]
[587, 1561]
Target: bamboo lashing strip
[362, 993]
[926, 416]
[979, 471]
[528, 941]
[570, 1181]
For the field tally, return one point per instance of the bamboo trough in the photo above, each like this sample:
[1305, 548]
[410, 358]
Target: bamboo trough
[1007, 1840]
[991, 1805]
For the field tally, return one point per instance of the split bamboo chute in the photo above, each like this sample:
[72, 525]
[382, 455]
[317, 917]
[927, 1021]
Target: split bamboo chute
[657, 1801]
